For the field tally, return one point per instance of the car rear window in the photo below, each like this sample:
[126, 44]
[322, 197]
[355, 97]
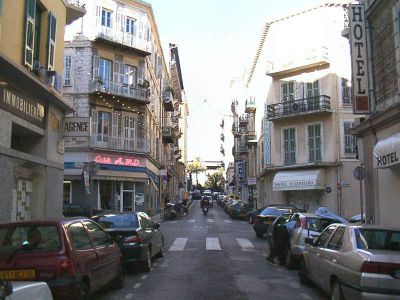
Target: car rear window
[37, 238]
[275, 211]
[378, 239]
[319, 224]
[118, 221]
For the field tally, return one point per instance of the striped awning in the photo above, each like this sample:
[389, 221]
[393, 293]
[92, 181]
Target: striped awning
[299, 180]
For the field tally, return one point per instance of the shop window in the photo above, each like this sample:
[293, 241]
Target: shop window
[24, 140]
[67, 192]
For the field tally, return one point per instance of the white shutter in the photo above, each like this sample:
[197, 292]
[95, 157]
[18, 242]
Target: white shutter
[116, 68]
[115, 134]
[97, 14]
[94, 120]
[95, 67]
[121, 72]
[141, 72]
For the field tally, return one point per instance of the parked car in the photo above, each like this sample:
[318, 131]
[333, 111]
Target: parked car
[308, 225]
[354, 262]
[239, 210]
[22, 290]
[263, 220]
[78, 210]
[138, 237]
[253, 213]
[196, 195]
[74, 256]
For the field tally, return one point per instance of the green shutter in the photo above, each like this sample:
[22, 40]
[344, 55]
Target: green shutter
[29, 38]
[51, 42]
[1, 2]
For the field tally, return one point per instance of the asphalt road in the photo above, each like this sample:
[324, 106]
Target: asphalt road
[212, 257]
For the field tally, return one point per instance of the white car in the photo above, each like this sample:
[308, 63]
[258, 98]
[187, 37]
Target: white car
[22, 290]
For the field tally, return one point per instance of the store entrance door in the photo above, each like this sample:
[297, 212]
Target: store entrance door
[129, 204]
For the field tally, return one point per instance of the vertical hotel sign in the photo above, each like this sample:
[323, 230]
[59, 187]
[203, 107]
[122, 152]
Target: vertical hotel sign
[358, 45]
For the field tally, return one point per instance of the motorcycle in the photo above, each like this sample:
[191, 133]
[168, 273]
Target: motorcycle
[205, 210]
[204, 206]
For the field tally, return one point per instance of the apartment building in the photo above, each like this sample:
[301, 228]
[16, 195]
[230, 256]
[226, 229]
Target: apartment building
[305, 153]
[32, 107]
[124, 128]
[376, 95]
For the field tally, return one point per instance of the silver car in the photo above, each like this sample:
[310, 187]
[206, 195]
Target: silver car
[354, 262]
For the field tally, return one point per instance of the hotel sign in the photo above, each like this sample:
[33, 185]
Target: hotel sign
[22, 106]
[359, 62]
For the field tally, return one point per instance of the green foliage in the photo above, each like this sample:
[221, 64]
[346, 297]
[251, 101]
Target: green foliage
[215, 181]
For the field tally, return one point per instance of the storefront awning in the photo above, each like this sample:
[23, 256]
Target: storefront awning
[299, 180]
[387, 152]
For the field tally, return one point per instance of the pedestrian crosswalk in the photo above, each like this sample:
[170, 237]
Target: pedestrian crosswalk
[211, 244]
[205, 220]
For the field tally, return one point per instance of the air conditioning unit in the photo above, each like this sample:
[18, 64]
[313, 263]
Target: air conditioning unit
[295, 107]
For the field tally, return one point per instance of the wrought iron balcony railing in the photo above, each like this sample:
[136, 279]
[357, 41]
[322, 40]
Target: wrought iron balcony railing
[304, 106]
[132, 91]
[243, 120]
[110, 142]
[250, 106]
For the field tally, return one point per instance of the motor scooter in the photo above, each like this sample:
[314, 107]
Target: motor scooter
[205, 209]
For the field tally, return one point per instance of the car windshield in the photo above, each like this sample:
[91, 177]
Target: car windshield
[319, 224]
[275, 211]
[118, 221]
[34, 238]
[378, 239]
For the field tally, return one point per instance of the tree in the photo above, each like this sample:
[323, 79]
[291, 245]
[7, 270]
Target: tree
[215, 181]
[196, 167]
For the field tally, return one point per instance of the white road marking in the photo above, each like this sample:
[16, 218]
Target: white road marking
[179, 244]
[144, 277]
[305, 296]
[191, 221]
[245, 244]
[129, 296]
[294, 285]
[210, 220]
[227, 221]
[212, 244]
[172, 222]
[137, 285]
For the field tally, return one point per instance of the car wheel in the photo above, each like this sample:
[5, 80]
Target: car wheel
[118, 282]
[259, 234]
[162, 251]
[303, 274]
[290, 260]
[146, 265]
[336, 291]
[83, 291]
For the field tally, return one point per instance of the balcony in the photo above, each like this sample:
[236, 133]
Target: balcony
[243, 149]
[311, 59]
[236, 131]
[251, 138]
[127, 91]
[306, 106]
[250, 106]
[122, 40]
[168, 135]
[243, 120]
[75, 10]
[117, 143]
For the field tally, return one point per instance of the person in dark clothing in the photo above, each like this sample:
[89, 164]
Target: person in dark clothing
[278, 245]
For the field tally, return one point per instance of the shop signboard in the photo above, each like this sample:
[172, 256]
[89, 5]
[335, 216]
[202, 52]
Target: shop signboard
[119, 160]
[251, 181]
[76, 127]
[240, 170]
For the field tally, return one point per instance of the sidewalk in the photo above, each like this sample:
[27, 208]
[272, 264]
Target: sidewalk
[158, 218]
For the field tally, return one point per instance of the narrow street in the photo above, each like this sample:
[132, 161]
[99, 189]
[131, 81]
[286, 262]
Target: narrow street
[212, 257]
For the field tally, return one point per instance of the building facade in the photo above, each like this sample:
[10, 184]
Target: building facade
[32, 107]
[118, 80]
[305, 154]
[378, 132]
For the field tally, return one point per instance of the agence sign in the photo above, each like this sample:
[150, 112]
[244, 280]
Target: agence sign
[358, 47]
[76, 127]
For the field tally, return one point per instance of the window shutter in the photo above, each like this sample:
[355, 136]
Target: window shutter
[94, 120]
[141, 72]
[97, 13]
[116, 68]
[30, 11]
[51, 42]
[115, 124]
[121, 72]
[95, 67]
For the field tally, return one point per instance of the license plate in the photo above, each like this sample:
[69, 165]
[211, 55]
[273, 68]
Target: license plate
[267, 222]
[17, 274]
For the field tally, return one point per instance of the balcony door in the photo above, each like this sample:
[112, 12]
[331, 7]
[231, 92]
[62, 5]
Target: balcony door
[129, 133]
[103, 127]
[105, 72]
[287, 96]
[289, 146]
[313, 95]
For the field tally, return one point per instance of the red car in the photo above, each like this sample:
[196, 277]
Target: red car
[75, 256]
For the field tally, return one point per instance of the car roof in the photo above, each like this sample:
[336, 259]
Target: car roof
[373, 226]
[45, 221]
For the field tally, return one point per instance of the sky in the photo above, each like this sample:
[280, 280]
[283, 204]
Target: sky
[217, 41]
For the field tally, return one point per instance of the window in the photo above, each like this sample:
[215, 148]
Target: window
[130, 26]
[99, 236]
[337, 239]
[103, 126]
[79, 237]
[129, 132]
[67, 70]
[29, 31]
[130, 74]
[105, 71]
[314, 143]
[105, 18]
[51, 45]
[289, 146]
[324, 237]
[378, 239]
[346, 91]
[312, 89]
[288, 91]
[350, 141]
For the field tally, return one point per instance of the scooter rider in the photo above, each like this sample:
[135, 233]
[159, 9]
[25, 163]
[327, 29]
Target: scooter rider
[204, 202]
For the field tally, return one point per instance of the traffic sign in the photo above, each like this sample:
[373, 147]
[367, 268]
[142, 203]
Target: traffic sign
[359, 173]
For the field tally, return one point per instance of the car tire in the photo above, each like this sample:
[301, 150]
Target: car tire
[147, 263]
[290, 263]
[303, 273]
[118, 282]
[161, 253]
[336, 291]
[259, 234]
[83, 291]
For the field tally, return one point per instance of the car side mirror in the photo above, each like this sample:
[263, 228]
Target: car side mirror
[309, 241]
[6, 289]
